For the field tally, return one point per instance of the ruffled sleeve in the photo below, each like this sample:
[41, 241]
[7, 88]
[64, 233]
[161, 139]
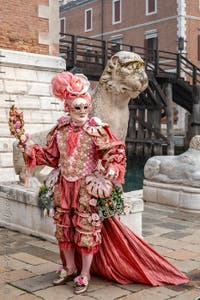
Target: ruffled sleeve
[111, 152]
[48, 155]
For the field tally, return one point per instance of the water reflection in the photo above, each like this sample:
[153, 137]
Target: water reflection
[134, 173]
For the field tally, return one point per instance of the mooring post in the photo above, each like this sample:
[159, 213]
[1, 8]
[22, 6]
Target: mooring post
[170, 117]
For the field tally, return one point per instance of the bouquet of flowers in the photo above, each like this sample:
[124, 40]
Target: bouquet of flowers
[45, 200]
[111, 206]
[46, 193]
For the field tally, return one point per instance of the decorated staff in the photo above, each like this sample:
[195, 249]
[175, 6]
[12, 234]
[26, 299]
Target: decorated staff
[16, 125]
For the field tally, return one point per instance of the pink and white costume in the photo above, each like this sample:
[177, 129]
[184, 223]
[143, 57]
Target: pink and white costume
[76, 151]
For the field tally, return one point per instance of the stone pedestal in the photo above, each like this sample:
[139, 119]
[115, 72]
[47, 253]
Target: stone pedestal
[19, 211]
[183, 197]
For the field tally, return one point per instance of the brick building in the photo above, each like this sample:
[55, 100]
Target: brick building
[172, 25]
[29, 48]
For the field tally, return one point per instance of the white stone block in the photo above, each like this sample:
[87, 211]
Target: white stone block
[6, 159]
[39, 89]
[134, 218]
[28, 102]
[15, 87]
[168, 197]
[44, 116]
[1, 86]
[7, 104]
[4, 130]
[32, 60]
[30, 128]
[56, 115]
[133, 221]
[149, 193]
[19, 211]
[26, 74]
[43, 11]
[8, 174]
[8, 73]
[184, 197]
[44, 38]
[6, 144]
[45, 76]
[189, 200]
[49, 103]
[4, 115]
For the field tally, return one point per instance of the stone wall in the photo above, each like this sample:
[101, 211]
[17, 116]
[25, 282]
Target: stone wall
[26, 81]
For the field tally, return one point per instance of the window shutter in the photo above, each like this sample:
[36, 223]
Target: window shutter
[151, 5]
[117, 11]
[88, 18]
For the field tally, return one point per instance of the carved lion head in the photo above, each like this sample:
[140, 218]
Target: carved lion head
[125, 73]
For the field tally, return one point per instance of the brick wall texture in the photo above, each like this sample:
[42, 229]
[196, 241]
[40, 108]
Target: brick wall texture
[135, 23]
[20, 26]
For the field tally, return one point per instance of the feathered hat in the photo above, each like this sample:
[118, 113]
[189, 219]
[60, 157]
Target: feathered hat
[68, 87]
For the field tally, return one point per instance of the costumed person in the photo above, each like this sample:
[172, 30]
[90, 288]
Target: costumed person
[89, 163]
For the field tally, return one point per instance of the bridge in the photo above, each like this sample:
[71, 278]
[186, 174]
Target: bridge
[172, 78]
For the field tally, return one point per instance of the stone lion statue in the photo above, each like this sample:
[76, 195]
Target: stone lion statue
[183, 169]
[124, 77]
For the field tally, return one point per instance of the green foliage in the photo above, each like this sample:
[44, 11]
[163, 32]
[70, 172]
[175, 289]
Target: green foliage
[45, 198]
[114, 205]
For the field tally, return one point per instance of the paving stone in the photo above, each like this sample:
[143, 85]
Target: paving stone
[97, 282]
[45, 245]
[166, 243]
[161, 250]
[158, 209]
[35, 283]
[172, 225]
[146, 233]
[27, 258]
[158, 231]
[192, 247]
[135, 287]
[42, 253]
[27, 296]
[11, 263]
[3, 269]
[57, 292]
[182, 254]
[8, 292]
[150, 295]
[150, 221]
[194, 238]
[188, 265]
[185, 216]
[190, 295]
[109, 292]
[43, 268]
[175, 235]
[15, 275]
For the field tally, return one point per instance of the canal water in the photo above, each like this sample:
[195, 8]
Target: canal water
[134, 173]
